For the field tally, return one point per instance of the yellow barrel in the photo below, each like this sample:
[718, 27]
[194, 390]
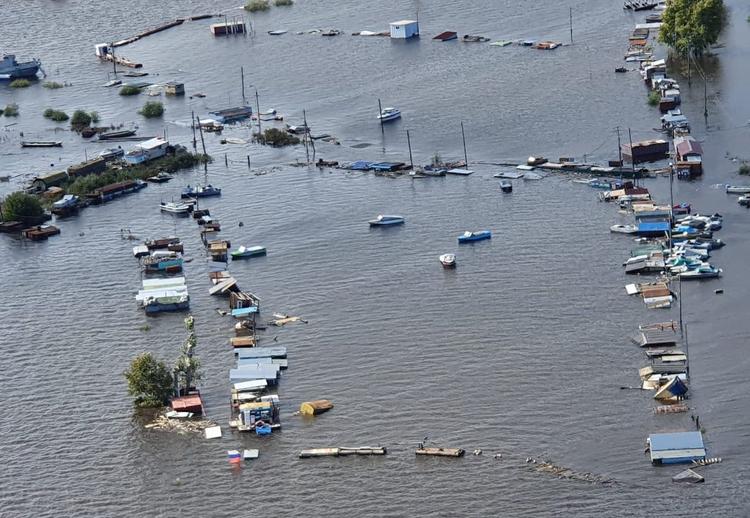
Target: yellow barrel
[315, 407]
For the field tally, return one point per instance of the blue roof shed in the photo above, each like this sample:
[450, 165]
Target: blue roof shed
[653, 228]
[675, 448]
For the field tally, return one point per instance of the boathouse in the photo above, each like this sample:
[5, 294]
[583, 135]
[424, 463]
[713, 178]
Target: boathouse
[675, 448]
[404, 29]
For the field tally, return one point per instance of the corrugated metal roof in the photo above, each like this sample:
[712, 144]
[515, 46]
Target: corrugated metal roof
[676, 441]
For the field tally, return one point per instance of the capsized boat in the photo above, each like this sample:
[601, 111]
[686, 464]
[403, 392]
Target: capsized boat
[175, 208]
[448, 260]
[389, 114]
[624, 229]
[468, 237]
[41, 143]
[200, 191]
[250, 251]
[384, 220]
[506, 186]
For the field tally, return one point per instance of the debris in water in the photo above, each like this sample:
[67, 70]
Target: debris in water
[688, 476]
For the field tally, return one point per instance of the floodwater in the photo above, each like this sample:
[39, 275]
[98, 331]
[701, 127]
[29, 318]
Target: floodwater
[521, 350]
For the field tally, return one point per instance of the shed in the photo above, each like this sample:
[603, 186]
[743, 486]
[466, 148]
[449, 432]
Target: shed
[446, 36]
[261, 352]
[653, 228]
[174, 88]
[190, 403]
[686, 147]
[44, 182]
[674, 448]
[404, 29]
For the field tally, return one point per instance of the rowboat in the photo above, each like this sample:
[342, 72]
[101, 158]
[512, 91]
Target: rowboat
[448, 260]
[383, 220]
[624, 229]
[250, 251]
[41, 143]
[468, 237]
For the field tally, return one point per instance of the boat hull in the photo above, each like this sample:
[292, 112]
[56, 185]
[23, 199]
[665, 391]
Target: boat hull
[479, 236]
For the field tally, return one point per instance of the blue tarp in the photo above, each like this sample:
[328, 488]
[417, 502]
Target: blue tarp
[243, 312]
[385, 166]
[360, 165]
[679, 447]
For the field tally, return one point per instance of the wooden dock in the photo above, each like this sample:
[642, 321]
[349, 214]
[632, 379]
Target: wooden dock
[342, 452]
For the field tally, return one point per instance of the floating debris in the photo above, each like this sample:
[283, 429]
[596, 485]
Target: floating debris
[440, 452]
[342, 452]
[567, 473]
[688, 476]
[179, 423]
[316, 407]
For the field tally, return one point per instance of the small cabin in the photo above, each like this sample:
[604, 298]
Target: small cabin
[404, 29]
[228, 27]
[174, 88]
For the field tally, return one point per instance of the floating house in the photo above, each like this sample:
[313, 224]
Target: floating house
[149, 150]
[114, 190]
[404, 29]
[229, 115]
[645, 151]
[688, 154]
[675, 448]
[228, 27]
[44, 182]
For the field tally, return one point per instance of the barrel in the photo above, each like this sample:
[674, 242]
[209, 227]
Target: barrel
[316, 407]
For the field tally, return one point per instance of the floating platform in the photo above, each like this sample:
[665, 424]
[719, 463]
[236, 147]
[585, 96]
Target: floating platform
[441, 452]
[342, 452]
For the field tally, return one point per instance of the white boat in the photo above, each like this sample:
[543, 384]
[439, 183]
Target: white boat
[175, 208]
[389, 114]
[448, 260]
[114, 82]
[744, 201]
[705, 271]
[738, 189]
[112, 153]
[624, 229]
[383, 220]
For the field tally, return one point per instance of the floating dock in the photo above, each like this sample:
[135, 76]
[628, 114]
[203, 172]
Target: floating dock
[342, 452]
[441, 452]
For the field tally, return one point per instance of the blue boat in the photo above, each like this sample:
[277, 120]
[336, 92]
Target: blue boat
[468, 237]
[12, 69]
[383, 220]
[67, 205]
[163, 263]
[200, 191]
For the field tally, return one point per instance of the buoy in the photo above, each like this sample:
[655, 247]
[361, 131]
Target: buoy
[477, 452]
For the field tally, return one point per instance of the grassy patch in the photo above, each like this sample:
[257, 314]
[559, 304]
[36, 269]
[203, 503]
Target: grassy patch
[257, 5]
[11, 110]
[152, 109]
[20, 83]
[744, 169]
[52, 85]
[80, 120]
[55, 115]
[130, 90]
[653, 98]
[279, 3]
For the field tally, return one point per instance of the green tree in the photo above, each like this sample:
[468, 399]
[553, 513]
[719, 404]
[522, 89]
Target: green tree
[152, 109]
[149, 381]
[20, 206]
[691, 26]
[187, 366]
[80, 120]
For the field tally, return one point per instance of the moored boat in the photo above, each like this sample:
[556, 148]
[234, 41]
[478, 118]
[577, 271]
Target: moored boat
[705, 271]
[251, 251]
[167, 302]
[12, 69]
[175, 208]
[506, 186]
[385, 220]
[160, 177]
[468, 237]
[200, 191]
[389, 114]
[41, 143]
[66, 206]
[624, 229]
[112, 153]
[112, 135]
[738, 189]
[448, 260]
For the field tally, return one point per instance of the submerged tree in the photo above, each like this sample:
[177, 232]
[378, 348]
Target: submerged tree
[20, 206]
[187, 367]
[149, 381]
[691, 26]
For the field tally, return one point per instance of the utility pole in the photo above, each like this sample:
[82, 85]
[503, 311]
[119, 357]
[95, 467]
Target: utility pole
[632, 154]
[242, 73]
[195, 142]
[705, 97]
[305, 135]
[257, 107]
[380, 116]
[463, 137]
[571, 25]
[114, 61]
[408, 142]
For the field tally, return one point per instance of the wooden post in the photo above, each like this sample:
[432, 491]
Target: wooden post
[203, 142]
[408, 142]
[463, 137]
[242, 73]
[114, 61]
[380, 115]
[248, 161]
[257, 107]
[305, 135]
[571, 25]
[195, 141]
[226, 160]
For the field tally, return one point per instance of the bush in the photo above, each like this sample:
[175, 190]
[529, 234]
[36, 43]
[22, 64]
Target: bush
[276, 138]
[744, 168]
[55, 115]
[152, 109]
[94, 117]
[80, 120]
[654, 97]
[257, 5]
[279, 3]
[52, 85]
[11, 110]
[20, 206]
[130, 90]
[20, 83]
[149, 381]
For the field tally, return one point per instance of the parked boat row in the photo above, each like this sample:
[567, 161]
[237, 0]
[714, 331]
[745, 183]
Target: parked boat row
[162, 257]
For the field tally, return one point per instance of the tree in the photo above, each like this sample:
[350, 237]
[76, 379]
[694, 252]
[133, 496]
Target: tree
[20, 206]
[80, 120]
[691, 26]
[187, 367]
[152, 109]
[149, 381]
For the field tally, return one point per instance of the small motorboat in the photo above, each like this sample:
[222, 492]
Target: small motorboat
[705, 271]
[113, 82]
[211, 125]
[277, 32]
[468, 237]
[623, 229]
[744, 200]
[680, 209]
[250, 251]
[175, 208]
[384, 220]
[448, 260]
[738, 189]
[506, 186]
[621, 70]
[160, 177]
[200, 191]
[46, 143]
[112, 153]
[389, 114]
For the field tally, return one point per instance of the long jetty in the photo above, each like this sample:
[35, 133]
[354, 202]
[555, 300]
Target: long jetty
[163, 27]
